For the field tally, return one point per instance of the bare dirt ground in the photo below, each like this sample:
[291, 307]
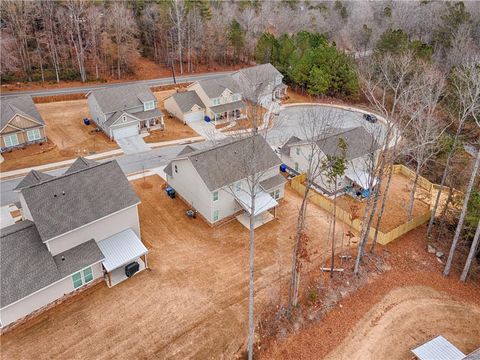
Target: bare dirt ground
[398, 197]
[384, 313]
[407, 317]
[193, 301]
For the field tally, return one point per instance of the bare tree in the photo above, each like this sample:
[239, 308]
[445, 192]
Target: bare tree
[465, 84]
[314, 126]
[177, 13]
[461, 220]
[76, 12]
[471, 254]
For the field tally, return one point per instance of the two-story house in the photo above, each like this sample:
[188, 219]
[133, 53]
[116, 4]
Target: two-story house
[125, 110]
[217, 181]
[78, 229]
[222, 99]
[361, 155]
[21, 123]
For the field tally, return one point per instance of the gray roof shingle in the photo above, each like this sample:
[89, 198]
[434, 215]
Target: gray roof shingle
[186, 100]
[122, 97]
[226, 163]
[260, 72]
[77, 258]
[216, 86]
[22, 105]
[80, 164]
[67, 202]
[26, 263]
[359, 143]
[32, 178]
[272, 182]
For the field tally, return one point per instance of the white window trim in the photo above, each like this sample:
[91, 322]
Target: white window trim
[36, 132]
[217, 212]
[213, 196]
[82, 277]
[10, 136]
[216, 101]
[149, 105]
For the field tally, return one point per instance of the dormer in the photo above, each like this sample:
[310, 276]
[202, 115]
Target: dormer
[149, 105]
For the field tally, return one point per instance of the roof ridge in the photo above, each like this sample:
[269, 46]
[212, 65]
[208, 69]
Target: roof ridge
[21, 225]
[201, 151]
[71, 173]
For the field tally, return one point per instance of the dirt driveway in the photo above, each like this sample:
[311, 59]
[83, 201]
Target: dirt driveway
[406, 318]
[193, 301]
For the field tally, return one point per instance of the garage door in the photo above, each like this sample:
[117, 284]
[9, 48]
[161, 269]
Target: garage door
[193, 116]
[125, 131]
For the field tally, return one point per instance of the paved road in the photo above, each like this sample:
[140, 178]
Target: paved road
[83, 89]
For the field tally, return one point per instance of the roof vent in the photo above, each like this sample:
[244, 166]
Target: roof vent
[63, 192]
[63, 258]
[54, 195]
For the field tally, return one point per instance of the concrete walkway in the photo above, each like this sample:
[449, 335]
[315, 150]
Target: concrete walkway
[102, 155]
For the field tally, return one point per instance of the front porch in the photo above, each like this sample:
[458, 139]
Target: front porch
[280, 92]
[228, 112]
[151, 120]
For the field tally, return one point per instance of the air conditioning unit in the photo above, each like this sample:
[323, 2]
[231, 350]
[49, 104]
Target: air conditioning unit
[131, 269]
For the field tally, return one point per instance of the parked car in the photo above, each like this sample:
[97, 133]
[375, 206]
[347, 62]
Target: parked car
[370, 118]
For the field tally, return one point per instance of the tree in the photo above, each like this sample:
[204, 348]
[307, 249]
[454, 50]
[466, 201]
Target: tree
[76, 11]
[315, 125]
[177, 13]
[464, 89]
[236, 37]
[471, 254]
[463, 214]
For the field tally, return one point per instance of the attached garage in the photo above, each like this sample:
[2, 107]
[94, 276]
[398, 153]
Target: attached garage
[193, 116]
[125, 131]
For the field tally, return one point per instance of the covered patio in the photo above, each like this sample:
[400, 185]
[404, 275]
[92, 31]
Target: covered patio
[264, 205]
[359, 183]
[125, 255]
[228, 112]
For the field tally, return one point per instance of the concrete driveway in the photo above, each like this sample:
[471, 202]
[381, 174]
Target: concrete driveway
[133, 144]
[289, 121]
[207, 130]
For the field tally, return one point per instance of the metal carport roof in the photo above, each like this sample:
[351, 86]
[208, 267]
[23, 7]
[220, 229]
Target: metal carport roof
[438, 348]
[121, 249]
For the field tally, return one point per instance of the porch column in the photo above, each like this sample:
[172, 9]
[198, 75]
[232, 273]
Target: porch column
[145, 261]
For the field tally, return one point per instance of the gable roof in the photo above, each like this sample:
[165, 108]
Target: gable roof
[26, 263]
[78, 198]
[359, 142]
[186, 100]
[216, 86]
[80, 164]
[123, 97]
[22, 105]
[259, 73]
[226, 163]
[32, 178]
[27, 266]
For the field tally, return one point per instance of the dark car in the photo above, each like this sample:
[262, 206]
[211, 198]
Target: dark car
[370, 118]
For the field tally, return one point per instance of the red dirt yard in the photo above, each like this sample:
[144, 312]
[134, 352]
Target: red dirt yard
[193, 301]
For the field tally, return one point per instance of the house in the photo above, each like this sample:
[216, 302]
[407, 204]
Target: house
[261, 84]
[22, 124]
[361, 154]
[79, 228]
[125, 110]
[215, 182]
[441, 348]
[186, 106]
[222, 99]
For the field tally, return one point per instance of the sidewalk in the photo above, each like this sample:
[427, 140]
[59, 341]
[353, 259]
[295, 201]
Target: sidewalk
[103, 155]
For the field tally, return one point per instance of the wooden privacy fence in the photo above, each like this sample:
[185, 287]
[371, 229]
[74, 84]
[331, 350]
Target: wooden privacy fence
[382, 238]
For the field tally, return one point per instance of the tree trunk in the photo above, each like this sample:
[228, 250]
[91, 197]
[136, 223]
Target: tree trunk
[471, 254]
[462, 215]
[333, 232]
[444, 176]
[382, 207]
[251, 322]
[412, 195]
[449, 199]
[362, 243]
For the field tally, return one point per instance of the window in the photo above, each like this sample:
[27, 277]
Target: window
[176, 169]
[296, 167]
[215, 195]
[33, 135]
[277, 194]
[216, 215]
[82, 277]
[149, 105]
[10, 140]
[238, 186]
[297, 150]
[216, 102]
[236, 97]
[278, 80]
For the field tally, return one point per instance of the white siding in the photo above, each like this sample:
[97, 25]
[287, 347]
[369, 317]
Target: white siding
[191, 187]
[98, 230]
[96, 113]
[41, 298]
[172, 107]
